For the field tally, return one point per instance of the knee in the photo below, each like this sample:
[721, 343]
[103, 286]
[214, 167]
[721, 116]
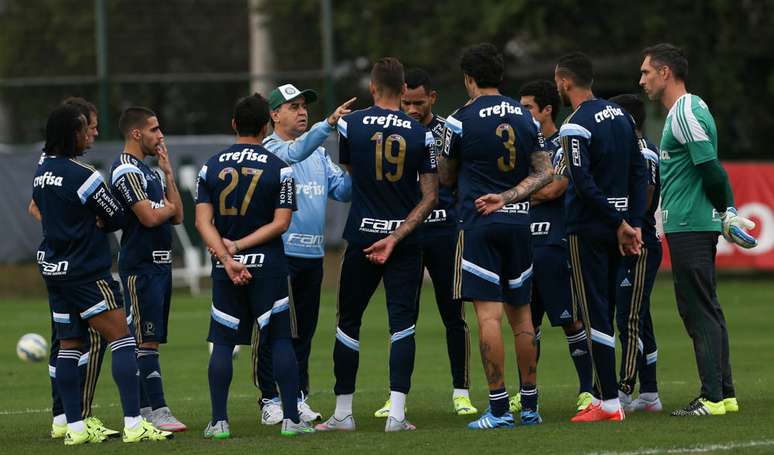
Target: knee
[572, 328]
[73, 343]
[150, 345]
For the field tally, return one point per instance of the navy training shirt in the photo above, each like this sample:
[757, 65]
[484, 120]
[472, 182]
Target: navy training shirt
[547, 218]
[387, 151]
[245, 184]
[607, 170]
[143, 249]
[443, 219]
[493, 139]
[650, 153]
[70, 196]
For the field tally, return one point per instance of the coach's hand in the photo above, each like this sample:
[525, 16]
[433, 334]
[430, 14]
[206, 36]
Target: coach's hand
[340, 112]
[237, 272]
[380, 251]
[735, 227]
[489, 203]
[629, 239]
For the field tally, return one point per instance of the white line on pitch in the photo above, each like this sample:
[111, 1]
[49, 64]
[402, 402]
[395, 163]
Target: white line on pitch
[703, 448]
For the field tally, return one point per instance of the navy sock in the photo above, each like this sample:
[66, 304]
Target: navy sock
[219, 373]
[125, 374]
[498, 402]
[68, 383]
[529, 397]
[144, 402]
[402, 352]
[56, 403]
[579, 351]
[150, 375]
[286, 374]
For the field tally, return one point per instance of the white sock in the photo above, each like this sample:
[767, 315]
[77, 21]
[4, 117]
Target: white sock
[61, 419]
[132, 422]
[77, 427]
[611, 405]
[343, 406]
[624, 396]
[596, 401]
[398, 406]
[460, 393]
[649, 396]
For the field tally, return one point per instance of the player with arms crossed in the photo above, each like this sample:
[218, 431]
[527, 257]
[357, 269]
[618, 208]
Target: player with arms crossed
[246, 195]
[636, 278]
[697, 204]
[384, 150]
[152, 206]
[604, 207]
[438, 240]
[551, 293]
[94, 346]
[494, 153]
[74, 258]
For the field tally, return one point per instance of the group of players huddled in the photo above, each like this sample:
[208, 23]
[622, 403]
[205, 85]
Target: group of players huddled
[499, 204]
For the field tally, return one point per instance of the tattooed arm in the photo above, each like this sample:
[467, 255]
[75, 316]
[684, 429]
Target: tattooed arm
[447, 170]
[540, 175]
[380, 251]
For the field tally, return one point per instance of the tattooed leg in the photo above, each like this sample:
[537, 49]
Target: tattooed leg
[520, 320]
[491, 342]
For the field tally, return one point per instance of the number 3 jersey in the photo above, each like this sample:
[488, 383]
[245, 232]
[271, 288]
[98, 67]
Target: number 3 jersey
[143, 249]
[387, 150]
[492, 139]
[245, 184]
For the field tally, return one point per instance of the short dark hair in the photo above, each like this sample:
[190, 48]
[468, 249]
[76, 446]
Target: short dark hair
[61, 127]
[387, 74]
[84, 106]
[578, 67]
[484, 63]
[545, 94]
[251, 114]
[665, 54]
[634, 105]
[134, 117]
[417, 77]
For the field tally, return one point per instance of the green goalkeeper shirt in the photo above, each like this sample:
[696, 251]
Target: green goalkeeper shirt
[689, 139]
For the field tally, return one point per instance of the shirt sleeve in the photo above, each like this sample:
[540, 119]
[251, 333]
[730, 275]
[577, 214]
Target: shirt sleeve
[344, 157]
[429, 164]
[286, 197]
[339, 181]
[300, 149]
[451, 138]
[575, 142]
[690, 127]
[202, 191]
[129, 184]
[560, 164]
[638, 183]
[651, 164]
[96, 196]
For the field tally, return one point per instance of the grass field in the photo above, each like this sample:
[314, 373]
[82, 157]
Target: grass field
[24, 389]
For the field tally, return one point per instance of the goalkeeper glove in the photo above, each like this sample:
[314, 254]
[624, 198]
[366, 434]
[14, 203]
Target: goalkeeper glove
[734, 227]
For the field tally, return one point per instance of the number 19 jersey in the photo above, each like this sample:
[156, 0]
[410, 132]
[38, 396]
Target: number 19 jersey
[493, 139]
[387, 150]
[245, 184]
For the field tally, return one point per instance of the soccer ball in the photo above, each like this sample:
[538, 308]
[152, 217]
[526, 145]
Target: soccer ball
[32, 348]
[233, 354]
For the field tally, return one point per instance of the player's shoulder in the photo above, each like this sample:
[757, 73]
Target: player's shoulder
[353, 118]
[649, 150]
[691, 105]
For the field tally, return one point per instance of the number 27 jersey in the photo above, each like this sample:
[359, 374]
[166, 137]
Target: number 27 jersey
[245, 184]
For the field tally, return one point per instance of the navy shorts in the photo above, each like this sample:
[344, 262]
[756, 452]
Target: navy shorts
[73, 304]
[235, 309]
[494, 263]
[147, 296]
[551, 293]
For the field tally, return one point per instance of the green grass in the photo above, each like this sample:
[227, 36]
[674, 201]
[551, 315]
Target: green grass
[24, 387]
